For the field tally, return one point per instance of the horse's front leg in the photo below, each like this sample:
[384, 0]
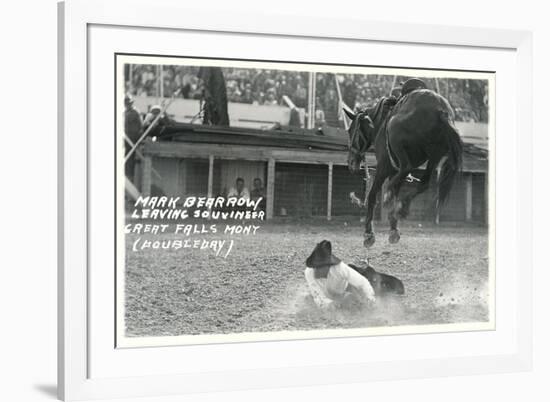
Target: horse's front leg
[379, 178]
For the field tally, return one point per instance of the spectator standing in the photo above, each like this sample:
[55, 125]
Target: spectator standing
[319, 113]
[300, 96]
[133, 126]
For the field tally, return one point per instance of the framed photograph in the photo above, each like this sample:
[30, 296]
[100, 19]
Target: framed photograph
[247, 202]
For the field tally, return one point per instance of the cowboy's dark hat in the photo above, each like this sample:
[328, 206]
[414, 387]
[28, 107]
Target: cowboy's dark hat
[322, 256]
[412, 84]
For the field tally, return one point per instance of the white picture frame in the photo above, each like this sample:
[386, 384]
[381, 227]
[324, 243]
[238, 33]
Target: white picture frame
[76, 379]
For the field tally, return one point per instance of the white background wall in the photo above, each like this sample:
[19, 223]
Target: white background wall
[28, 199]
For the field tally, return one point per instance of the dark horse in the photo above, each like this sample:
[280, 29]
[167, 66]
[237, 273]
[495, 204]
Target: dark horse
[406, 133]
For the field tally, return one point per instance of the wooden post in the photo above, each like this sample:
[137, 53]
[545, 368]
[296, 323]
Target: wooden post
[210, 180]
[469, 195]
[146, 181]
[270, 190]
[131, 78]
[138, 173]
[210, 175]
[486, 200]
[311, 101]
[437, 204]
[160, 83]
[329, 192]
[182, 182]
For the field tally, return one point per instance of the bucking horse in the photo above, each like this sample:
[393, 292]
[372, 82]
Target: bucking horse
[416, 129]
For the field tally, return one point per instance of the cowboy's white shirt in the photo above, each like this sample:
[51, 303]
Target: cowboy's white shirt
[326, 290]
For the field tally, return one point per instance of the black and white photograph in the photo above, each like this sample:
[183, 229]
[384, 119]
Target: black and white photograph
[273, 200]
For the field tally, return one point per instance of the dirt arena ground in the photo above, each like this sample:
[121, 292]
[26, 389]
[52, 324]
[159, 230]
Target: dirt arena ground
[260, 286]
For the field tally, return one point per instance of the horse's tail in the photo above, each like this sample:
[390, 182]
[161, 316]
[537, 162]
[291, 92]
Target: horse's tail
[452, 162]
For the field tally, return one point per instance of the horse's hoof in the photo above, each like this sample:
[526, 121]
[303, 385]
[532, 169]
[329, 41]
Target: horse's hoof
[394, 236]
[369, 240]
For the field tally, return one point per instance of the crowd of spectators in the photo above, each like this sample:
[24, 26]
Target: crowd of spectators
[269, 87]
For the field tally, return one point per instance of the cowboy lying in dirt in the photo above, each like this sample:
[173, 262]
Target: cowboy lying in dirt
[330, 280]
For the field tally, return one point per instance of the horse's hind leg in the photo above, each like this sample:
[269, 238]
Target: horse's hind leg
[391, 195]
[381, 175]
[394, 232]
[405, 167]
[403, 207]
[396, 205]
[394, 235]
